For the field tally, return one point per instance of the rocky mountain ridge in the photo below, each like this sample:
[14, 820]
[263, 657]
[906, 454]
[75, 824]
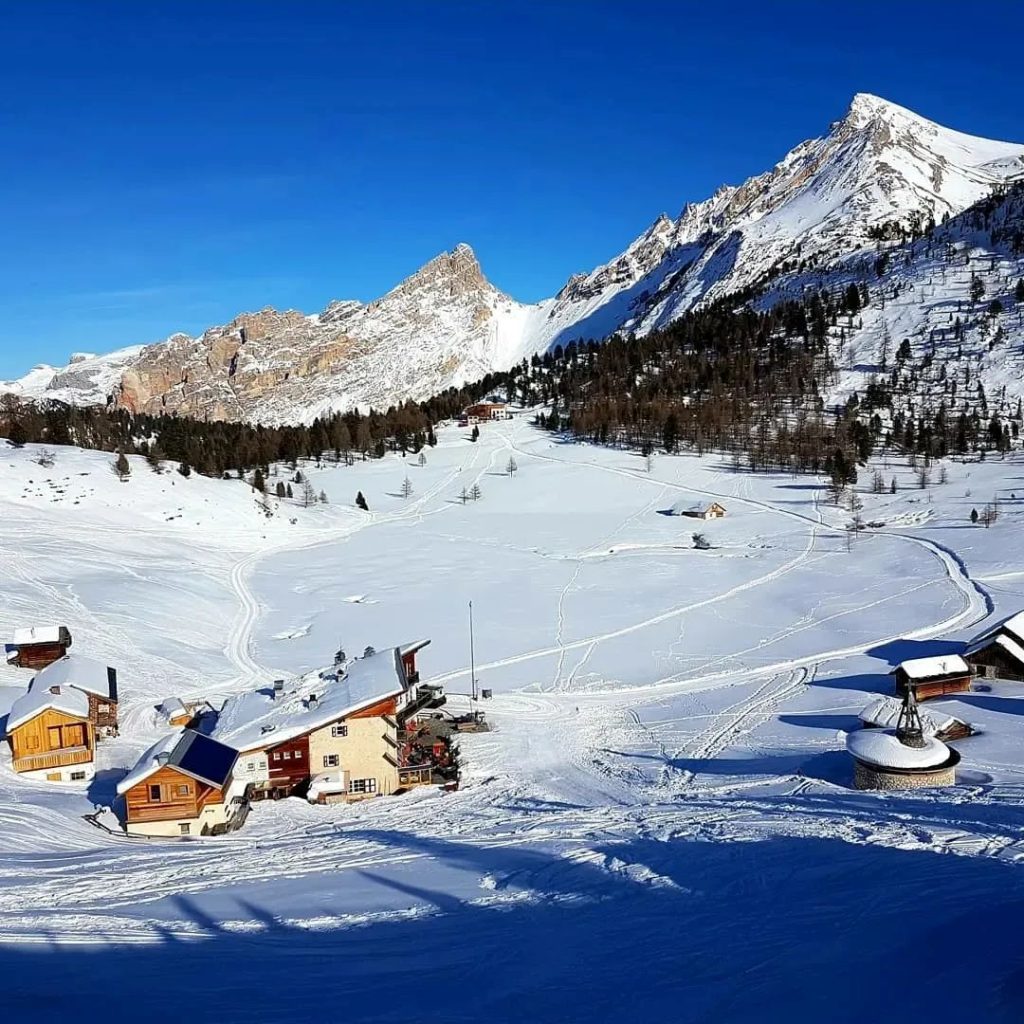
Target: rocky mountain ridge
[447, 325]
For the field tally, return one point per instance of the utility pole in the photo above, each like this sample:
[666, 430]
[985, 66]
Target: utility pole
[472, 657]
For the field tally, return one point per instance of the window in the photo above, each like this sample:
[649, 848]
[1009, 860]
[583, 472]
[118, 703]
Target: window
[287, 755]
[362, 786]
[103, 709]
[185, 828]
[77, 776]
[154, 793]
[250, 767]
[277, 755]
[298, 755]
[183, 790]
[339, 730]
[330, 760]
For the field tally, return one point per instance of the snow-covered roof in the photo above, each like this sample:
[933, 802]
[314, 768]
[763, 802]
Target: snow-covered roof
[80, 672]
[412, 648]
[885, 713]
[1012, 624]
[198, 756]
[28, 635]
[258, 719]
[1012, 646]
[39, 699]
[882, 748]
[939, 665]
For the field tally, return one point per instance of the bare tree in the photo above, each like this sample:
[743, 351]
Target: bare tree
[406, 488]
[422, 460]
[475, 493]
[511, 467]
[700, 542]
[308, 493]
[924, 476]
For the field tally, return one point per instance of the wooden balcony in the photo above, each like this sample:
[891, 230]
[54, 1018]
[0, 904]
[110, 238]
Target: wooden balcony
[53, 759]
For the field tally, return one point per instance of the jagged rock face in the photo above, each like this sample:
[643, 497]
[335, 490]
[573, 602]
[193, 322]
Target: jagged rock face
[430, 331]
[447, 325]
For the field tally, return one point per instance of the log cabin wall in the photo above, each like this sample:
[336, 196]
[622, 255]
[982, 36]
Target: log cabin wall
[103, 714]
[993, 662]
[40, 655]
[169, 794]
[51, 730]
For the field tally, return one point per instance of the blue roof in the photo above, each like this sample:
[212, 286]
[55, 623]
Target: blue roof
[203, 758]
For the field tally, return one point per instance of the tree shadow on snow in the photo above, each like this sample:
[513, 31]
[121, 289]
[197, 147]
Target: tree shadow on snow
[778, 930]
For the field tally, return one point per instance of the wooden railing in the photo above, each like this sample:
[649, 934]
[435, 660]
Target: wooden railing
[53, 759]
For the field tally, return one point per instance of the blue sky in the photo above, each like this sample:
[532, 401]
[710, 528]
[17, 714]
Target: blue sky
[168, 165]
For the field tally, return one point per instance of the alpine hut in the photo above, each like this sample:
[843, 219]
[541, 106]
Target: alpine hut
[700, 510]
[184, 785]
[349, 722]
[901, 758]
[933, 677]
[998, 653]
[51, 735]
[38, 646]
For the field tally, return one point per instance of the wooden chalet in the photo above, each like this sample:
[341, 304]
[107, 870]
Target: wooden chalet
[184, 785]
[347, 722]
[38, 646]
[933, 677]
[97, 681]
[998, 653]
[483, 411]
[51, 736]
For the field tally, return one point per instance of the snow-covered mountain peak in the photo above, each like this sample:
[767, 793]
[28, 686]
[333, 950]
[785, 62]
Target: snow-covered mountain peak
[879, 168]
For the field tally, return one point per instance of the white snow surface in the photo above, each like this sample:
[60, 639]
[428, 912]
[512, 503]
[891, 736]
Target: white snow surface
[665, 785]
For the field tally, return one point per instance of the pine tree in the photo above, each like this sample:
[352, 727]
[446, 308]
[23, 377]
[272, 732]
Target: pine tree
[406, 488]
[308, 493]
[17, 435]
[361, 502]
[279, 490]
[422, 460]
[323, 497]
[892, 486]
[974, 515]
[511, 467]
[1018, 292]
[288, 491]
[258, 483]
[475, 435]
[463, 496]
[184, 469]
[475, 492]
[122, 467]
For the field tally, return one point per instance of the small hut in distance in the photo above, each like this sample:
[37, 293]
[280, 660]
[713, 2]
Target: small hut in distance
[933, 677]
[700, 510]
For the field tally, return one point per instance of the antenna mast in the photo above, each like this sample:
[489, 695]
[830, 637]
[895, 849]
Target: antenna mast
[472, 657]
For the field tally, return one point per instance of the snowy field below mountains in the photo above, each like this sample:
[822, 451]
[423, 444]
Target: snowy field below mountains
[661, 825]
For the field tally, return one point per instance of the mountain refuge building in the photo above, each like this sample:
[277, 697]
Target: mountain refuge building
[38, 646]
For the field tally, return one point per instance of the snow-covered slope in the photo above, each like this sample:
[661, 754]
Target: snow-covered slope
[447, 325]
